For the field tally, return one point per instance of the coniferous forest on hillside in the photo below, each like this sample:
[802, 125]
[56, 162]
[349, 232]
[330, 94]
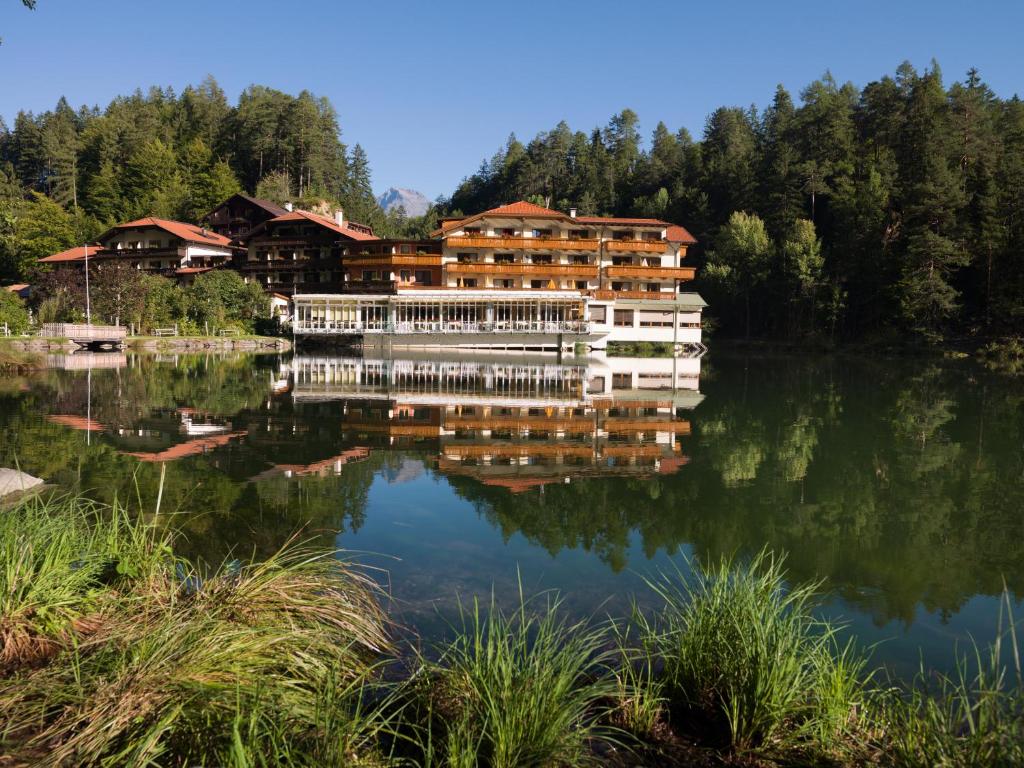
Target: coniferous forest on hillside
[895, 211]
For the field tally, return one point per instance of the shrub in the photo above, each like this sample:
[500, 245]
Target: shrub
[13, 312]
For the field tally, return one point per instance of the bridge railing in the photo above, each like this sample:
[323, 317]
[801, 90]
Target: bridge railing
[84, 332]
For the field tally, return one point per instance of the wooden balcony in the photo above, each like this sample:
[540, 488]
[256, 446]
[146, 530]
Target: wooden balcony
[393, 260]
[648, 424]
[519, 423]
[607, 295]
[513, 243]
[562, 270]
[636, 246]
[650, 273]
[468, 450]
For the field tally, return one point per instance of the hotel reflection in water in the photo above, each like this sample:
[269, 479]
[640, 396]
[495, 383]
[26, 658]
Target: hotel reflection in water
[517, 422]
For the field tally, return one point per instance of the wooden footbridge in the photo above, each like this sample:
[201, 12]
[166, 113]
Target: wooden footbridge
[88, 336]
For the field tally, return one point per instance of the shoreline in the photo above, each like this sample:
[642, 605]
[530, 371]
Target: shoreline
[160, 344]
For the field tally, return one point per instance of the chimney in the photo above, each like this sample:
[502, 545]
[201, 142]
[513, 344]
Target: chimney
[289, 207]
[572, 213]
[339, 218]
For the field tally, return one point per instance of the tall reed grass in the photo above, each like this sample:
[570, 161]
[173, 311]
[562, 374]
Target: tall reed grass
[113, 651]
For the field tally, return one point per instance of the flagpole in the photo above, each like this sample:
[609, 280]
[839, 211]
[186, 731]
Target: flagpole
[88, 312]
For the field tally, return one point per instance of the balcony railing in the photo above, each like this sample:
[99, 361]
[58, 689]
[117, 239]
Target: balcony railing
[636, 246]
[608, 295]
[651, 273]
[542, 243]
[397, 260]
[358, 328]
[480, 268]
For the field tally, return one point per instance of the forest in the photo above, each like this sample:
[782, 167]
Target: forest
[893, 212]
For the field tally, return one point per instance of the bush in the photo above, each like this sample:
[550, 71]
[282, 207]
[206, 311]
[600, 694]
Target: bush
[13, 312]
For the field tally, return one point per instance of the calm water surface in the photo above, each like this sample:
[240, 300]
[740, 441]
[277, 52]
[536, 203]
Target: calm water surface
[900, 484]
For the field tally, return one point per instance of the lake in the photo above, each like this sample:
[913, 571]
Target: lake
[899, 484]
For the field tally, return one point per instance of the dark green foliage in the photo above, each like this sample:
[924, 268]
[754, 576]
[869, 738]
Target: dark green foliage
[913, 189]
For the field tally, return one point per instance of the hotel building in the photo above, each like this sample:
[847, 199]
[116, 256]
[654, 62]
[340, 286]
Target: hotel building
[519, 276]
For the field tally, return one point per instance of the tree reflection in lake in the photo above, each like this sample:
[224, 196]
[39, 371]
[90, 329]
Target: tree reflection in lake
[899, 483]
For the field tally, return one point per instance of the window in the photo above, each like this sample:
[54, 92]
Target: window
[507, 232]
[581, 285]
[618, 286]
[466, 282]
[405, 248]
[655, 236]
[504, 258]
[542, 258]
[599, 314]
[578, 234]
[536, 283]
[654, 287]
[472, 231]
[466, 258]
[622, 234]
[622, 381]
[542, 233]
[367, 275]
[423, 276]
[624, 318]
[577, 259]
[655, 318]
[504, 282]
[622, 261]
[406, 275]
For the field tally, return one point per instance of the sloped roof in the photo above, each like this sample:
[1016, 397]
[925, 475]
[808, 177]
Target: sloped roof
[323, 221]
[270, 207]
[188, 232]
[675, 233]
[71, 254]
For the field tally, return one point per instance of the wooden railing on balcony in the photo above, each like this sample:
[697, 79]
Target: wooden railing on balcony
[517, 423]
[651, 273]
[568, 270]
[542, 243]
[608, 295]
[636, 246]
[650, 424]
[398, 260]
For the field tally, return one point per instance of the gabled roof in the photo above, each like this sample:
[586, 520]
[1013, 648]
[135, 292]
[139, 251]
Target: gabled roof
[345, 231]
[674, 233]
[518, 209]
[270, 207]
[71, 254]
[677, 234]
[188, 232]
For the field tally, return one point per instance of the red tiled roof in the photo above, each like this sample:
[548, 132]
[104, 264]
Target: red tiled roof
[620, 220]
[188, 232]
[71, 254]
[677, 234]
[323, 221]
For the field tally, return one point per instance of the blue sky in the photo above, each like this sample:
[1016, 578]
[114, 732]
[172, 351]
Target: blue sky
[430, 89]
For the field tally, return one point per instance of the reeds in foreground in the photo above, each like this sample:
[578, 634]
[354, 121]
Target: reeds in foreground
[150, 661]
[526, 689]
[744, 663]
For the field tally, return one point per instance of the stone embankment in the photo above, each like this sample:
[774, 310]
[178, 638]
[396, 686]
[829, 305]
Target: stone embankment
[163, 344]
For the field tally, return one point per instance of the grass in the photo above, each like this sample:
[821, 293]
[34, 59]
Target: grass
[114, 651]
[14, 360]
[745, 664]
[526, 689]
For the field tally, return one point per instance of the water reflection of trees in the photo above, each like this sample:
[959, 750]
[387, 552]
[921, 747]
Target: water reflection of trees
[901, 489]
[902, 484]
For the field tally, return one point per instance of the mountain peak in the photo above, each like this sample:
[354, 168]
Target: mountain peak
[415, 203]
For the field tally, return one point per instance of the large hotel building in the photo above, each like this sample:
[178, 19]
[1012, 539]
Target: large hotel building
[519, 276]
[516, 277]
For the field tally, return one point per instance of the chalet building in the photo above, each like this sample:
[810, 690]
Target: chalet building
[158, 246]
[302, 251]
[239, 215]
[520, 276]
